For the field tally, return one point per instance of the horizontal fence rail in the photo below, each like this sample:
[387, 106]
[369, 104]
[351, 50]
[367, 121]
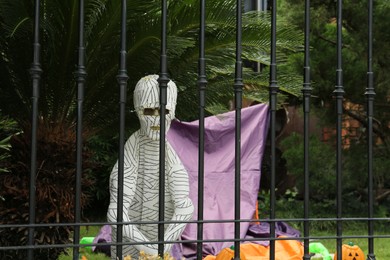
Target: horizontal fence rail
[201, 223]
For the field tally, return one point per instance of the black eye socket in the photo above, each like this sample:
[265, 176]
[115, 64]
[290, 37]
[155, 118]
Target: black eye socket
[154, 111]
[150, 112]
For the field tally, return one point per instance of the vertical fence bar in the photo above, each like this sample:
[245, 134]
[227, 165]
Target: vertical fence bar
[80, 75]
[339, 94]
[163, 83]
[238, 85]
[273, 90]
[122, 82]
[35, 72]
[306, 91]
[370, 94]
[202, 83]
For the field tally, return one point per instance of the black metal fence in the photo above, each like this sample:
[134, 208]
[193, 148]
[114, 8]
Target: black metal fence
[122, 76]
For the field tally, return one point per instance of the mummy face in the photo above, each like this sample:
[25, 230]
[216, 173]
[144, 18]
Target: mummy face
[147, 105]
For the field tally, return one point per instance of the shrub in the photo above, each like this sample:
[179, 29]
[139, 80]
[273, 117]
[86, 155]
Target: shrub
[7, 130]
[322, 174]
[322, 166]
[55, 182]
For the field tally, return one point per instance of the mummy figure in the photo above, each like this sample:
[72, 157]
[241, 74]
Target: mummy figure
[141, 177]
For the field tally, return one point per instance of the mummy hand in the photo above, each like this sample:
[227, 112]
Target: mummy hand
[183, 212]
[132, 234]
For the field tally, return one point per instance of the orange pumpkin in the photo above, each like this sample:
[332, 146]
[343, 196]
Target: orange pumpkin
[228, 254]
[351, 252]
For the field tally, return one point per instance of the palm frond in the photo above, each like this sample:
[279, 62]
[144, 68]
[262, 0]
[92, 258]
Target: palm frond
[102, 38]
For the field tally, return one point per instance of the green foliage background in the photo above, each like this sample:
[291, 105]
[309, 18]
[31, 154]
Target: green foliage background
[323, 61]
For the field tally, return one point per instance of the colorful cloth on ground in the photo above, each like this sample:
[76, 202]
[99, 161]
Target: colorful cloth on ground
[284, 250]
[104, 236]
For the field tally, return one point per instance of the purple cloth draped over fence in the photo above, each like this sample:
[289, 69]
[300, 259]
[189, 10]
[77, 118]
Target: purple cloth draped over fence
[219, 171]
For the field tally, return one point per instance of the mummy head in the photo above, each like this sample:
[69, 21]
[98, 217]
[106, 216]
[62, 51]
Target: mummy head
[147, 105]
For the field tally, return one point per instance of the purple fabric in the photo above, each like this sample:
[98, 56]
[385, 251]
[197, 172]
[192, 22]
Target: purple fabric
[262, 230]
[104, 236]
[219, 171]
